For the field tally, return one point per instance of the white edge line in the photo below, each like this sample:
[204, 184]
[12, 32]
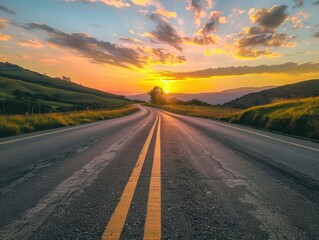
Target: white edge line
[266, 136]
[49, 133]
[258, 134]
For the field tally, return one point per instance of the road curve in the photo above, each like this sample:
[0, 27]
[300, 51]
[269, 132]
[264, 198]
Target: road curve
[158, 175]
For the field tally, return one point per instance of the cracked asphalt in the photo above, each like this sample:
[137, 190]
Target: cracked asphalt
[218, 180]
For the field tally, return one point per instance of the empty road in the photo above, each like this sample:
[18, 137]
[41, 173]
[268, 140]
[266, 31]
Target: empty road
[158, 175]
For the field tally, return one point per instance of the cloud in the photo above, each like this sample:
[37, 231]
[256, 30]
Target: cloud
[165, 32]
[113, 3]
[116, 3]
[201, 40]
[258, 37]
[197, 6]
[254, 30]
[7, 10]
[270, 18]
[166, 14]
[145, 2]
[236, 11]
[105, 52]
[204, 35]
[130, 40]
[287, 68]
[31, 44]
[4, 37]
[298, 3]
[256, 41]
[264, 39]
[297, 20]
[3, 24]
[87, 46]
[159, 56]
[211, 25]
[316, 3]
[253, 53]
[214, 51]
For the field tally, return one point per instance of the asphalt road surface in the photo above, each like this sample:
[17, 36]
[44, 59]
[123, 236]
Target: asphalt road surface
[157, 175]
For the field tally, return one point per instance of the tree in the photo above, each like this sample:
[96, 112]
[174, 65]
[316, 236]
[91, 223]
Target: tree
[64, 78]
[157, 95]
[197, 102]
[28, 98]
[3, 111]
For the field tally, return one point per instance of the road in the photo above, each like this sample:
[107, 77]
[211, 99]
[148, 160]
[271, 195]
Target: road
[153, 175]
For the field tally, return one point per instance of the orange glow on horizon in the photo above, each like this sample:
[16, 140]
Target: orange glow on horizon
[127, 82]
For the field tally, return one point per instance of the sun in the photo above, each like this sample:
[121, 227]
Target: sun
[166, 86]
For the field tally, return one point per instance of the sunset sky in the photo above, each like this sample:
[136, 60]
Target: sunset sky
[128, 46]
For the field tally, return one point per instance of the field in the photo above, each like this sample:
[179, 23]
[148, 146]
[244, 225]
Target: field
[297, 117]
[17, 124]
[200, 111]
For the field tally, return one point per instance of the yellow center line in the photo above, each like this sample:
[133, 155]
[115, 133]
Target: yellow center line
[153, 228]
[115, 225]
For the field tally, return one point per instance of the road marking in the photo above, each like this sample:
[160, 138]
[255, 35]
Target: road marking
[258, 134]
[49, 133]
[25, 225]
[153, 228]
[273, 138]
[115, 225]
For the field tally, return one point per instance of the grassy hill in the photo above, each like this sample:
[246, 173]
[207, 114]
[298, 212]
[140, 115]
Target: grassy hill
[23, 91]
[297, 117]
[304, 89]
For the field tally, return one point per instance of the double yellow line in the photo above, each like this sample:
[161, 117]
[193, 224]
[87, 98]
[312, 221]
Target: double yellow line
[152, 228]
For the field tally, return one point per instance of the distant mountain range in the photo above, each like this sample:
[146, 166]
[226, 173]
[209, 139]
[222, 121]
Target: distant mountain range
[303, 89]
[212, 98]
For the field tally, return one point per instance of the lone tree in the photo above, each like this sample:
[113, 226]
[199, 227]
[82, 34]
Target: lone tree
[64, 78]
[157, 95]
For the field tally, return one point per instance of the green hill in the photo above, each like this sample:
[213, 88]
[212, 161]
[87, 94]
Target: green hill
[22, 91]
[304, 89]
[298, 117]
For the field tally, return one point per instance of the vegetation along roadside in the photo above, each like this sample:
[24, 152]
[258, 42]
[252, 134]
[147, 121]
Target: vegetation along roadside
[17, 124]
[299, 117]
[212, 112]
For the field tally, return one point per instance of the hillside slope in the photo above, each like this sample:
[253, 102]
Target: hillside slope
[16, 72]
[24, 91]
[297, 117]
[303, 89]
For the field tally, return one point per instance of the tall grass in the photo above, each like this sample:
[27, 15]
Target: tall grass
[200, 111]
[17, 124]
[298, 117]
